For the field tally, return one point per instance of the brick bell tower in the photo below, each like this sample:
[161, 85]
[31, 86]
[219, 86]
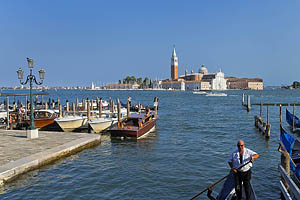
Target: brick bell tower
[174, 66]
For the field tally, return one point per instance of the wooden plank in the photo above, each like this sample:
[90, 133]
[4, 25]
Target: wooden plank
[284, 191]
[293, 187]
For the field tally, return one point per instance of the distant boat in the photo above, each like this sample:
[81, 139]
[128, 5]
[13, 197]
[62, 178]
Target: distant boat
[135, 126]
[289, 119]
[216, 94]
[199, 92]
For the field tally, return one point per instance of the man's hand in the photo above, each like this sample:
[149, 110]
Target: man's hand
[234, 170]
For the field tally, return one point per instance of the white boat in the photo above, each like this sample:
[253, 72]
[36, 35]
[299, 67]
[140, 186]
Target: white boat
[217, 94]
[199, 92]
[70, 123]
[100, 124]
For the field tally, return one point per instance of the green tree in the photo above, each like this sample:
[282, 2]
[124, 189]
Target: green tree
[139, 81]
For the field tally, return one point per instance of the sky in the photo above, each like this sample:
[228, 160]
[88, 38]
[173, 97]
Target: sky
[80, 41]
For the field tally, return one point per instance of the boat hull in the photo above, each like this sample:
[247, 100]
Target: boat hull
[134, 132]
[70, 125]
[40, 123]
[99, 126]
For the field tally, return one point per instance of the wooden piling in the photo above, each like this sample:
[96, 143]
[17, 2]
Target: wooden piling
[100, 108]
[46, 108]
[77, 103]
[128, 108]
[248, 104]
[280, 115]
[73, 108]
[53, 105]
[58, 101]
[243, 99]
[285, 163]
[119, 110]
[26, 106]
[155, 106]
[60, 111]
[7, 113]
[67, 106]
[88, 110]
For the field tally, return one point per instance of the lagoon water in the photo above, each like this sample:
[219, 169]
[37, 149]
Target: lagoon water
[188, 151]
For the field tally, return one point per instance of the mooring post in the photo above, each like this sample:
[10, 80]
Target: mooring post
[268, 125]
[26, 105]
[60, 110]
[77, 103]
[155, 107]
[293, 117]
[267, 114]
[83, 105]
[119, 110]
[7, 113]
[280, 115]
[53, 104]
[67, 105]
[46, 108]
[88, 110]
[128, 108]
[285, 163]
[73, 108]
[248, 104]
[243, 99]
[112, 107]
[100, 108]
[14, 106]
[42, 99]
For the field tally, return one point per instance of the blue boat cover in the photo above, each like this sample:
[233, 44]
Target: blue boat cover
[289, 119]
[289, 141]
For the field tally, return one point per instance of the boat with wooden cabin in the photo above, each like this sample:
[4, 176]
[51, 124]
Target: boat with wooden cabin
[134, 126]
[42, 118]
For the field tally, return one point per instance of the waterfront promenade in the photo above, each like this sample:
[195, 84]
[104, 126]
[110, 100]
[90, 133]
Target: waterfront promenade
[18, 154]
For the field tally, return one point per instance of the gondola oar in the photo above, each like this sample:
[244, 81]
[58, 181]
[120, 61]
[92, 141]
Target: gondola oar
[212, 185]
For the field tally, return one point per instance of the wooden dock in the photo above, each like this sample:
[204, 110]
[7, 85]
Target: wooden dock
[18, 154]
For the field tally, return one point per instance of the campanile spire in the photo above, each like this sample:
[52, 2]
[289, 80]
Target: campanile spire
[174, 65]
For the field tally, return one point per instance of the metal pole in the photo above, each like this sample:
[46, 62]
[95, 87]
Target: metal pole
[280, 115]
[32, 126]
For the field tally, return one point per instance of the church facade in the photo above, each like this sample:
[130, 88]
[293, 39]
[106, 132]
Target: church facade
[202, 80]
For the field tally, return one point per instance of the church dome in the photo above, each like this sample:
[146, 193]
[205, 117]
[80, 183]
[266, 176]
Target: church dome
[203, 70]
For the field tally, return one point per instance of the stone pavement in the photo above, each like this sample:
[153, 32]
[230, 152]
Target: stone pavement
[19, 154]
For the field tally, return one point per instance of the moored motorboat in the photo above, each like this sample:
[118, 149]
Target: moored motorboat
[42, 118]
[135, 126]
[100, 124]
[70, 123]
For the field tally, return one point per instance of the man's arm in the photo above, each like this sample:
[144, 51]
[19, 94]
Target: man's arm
[255, 156]
[231, 166]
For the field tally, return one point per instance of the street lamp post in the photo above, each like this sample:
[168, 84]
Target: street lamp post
[32, 132]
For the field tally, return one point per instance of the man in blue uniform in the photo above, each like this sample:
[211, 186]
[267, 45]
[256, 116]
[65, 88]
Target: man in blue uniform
[238, 157]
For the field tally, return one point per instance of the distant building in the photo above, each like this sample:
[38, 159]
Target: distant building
[193, 81]
[245, 83]
[122, 86]
[174, 66]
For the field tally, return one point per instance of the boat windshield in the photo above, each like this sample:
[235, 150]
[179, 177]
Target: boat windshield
[131, 121]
